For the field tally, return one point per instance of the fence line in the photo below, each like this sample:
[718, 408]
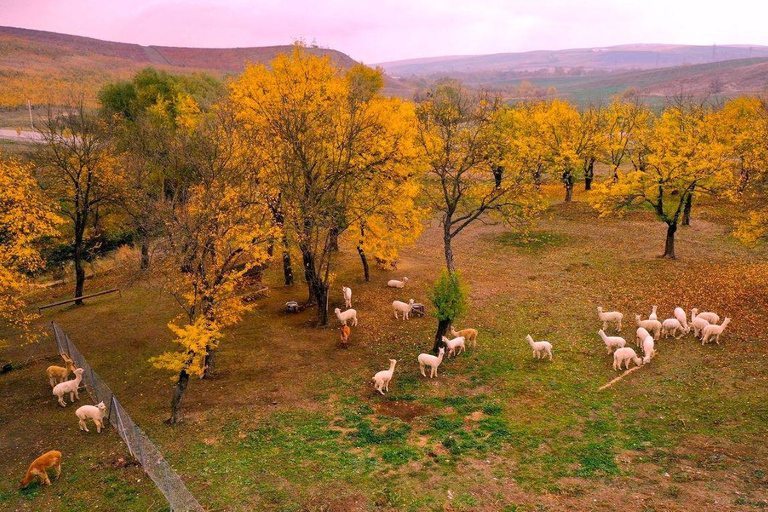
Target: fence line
[139, 445]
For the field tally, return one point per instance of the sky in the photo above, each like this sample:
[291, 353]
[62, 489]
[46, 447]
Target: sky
[385, 30]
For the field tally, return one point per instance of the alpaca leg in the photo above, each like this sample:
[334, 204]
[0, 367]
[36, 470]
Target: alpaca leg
[83, 426]
[61, 401]
[550, 354]
[44, 477]
[717, 338]
[605, 325]
[52, 381]
[99, 426]
[421, 366]
[396, 317]
[57, 470]
[619, 327]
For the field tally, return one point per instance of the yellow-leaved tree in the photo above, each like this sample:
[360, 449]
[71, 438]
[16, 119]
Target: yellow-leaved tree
[626, 119]
[217, 228]
[325, 137]
[682, 157]
[25, 218]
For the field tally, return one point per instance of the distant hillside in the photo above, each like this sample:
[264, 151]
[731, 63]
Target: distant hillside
[613, 58]
[50, 67]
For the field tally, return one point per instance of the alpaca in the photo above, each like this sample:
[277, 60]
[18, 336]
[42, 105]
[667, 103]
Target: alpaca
[394, 283]
[382, 378]
[347, 296]
[653, 326]
[540, 347]
[96, 413]
[709, 316]
[648, 349]
[349, 314]
[610, 316]
[39, 467]
[671, 326]
[612, 342]
[642, 333]
[680, 317]
[402, 307]
[345, 333]
[697, 323]
[432, 361]
[623, 356]
[653, 316]
[468, 334]
[714, 330]
[58, 374]
[70, 386]
[455, 343]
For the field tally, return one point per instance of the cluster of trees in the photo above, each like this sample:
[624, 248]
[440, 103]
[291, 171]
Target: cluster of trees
[291, 160]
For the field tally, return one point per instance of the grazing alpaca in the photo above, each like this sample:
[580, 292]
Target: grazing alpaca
[468, 334]
[39, 467]
[540, 347]
[382, 378]
[96, 413]
[609, 316]
[671, 326]
[69, 386]
[455, 343]
[680, 317]
[58, 374]
[432, 361]
[709, 316]
[347, 296]
[345, 333]
[623, 356]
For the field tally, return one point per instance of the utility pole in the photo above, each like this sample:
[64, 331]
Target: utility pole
[29, 107]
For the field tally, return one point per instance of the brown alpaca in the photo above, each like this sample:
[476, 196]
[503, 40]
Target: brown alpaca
[345, 333]
[58, 374]
[469, 334]
[39, 467]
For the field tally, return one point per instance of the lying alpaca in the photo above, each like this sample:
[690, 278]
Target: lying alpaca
[96, 413]
[39, 467]
[468, 334]
[382, 378]
[394, 283]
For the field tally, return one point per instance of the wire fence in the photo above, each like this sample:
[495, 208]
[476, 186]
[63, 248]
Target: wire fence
[142, 449]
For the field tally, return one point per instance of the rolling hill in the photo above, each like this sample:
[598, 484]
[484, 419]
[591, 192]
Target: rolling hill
[51, 67]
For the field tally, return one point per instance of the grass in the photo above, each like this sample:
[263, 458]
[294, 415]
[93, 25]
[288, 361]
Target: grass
[292, 423]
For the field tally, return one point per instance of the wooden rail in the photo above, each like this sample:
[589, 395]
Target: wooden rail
[113, 290]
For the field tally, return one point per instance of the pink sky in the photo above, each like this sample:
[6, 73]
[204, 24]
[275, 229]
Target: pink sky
[385, 30]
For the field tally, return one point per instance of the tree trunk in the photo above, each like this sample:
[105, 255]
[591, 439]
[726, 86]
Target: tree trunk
[442, 328]
[79, 269]
[210, 363]
[447, 239]
[589, 173]
[334, 243]
[317, 290]
[178, 394]
[687, 210]
[287, 267]
[364, 259]
[568, 182]
[669, 247]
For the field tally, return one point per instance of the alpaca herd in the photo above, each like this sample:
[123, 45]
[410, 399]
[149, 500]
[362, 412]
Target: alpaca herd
[704, 326]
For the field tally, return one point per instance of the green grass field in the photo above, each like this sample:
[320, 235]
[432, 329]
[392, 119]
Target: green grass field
[291, 421]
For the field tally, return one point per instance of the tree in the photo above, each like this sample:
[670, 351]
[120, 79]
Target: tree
[624, 119]
[449, 298]
[460, 137]
[683, 158]
[325, 137]
[78, 165]
[214, 235]
[25, 219]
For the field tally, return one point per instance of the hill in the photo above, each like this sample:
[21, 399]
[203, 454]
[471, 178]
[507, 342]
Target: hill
[50, 67]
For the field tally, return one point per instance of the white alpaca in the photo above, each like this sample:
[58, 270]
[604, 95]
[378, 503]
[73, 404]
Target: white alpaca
[402, 307]
[648, 348]
[610, 316]
[623, 356]
[94, 412]
[540, 347]
[714, 330]
[349, 314]
[394, 283]
[710, 317]
[432, 361]
[697, 323]
[347, 296]
[69, 386]
[653, 326]
[382, 378]
[642, 333]
[612, 342]
[680, 317]
[455, 343]
[671, 326]
[653, 316]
